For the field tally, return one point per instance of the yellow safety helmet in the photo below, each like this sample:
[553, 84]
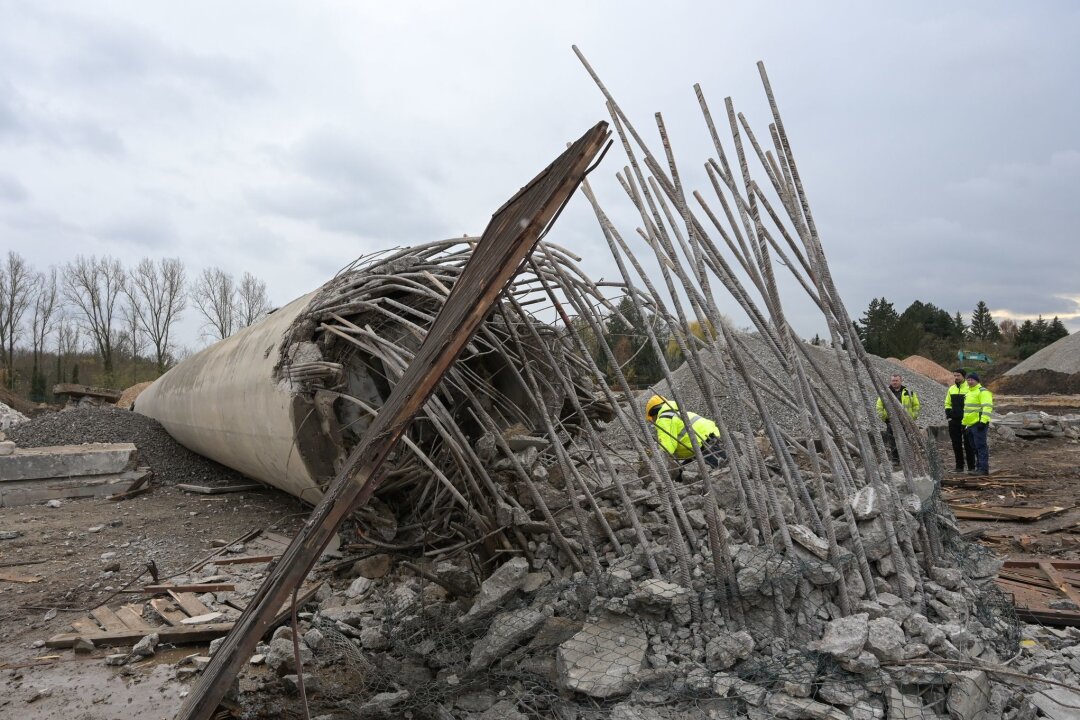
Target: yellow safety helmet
[652, 407]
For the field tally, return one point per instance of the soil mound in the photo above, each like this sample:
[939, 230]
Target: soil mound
[929, 368]
[1037, 382]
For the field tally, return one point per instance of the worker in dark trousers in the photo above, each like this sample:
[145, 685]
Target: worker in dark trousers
[954, 411]
[674, 436]
[978, 406]
[908, 400]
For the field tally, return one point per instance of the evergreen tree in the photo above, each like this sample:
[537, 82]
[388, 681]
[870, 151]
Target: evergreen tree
[1056, 330]
[876, 326]
[959, 326]
[625, 332]
[1026, 334]
[983, 326]
[1041, 328]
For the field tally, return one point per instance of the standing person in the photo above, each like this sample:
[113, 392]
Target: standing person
[954, 411]
[910, 402]
[674, 436]
[978, 404]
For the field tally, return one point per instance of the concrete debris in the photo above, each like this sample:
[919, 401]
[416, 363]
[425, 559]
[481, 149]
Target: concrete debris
[9, 418]
[845, 637]
[506, 631]
[146, 646]
[604, 658]
[494, 591]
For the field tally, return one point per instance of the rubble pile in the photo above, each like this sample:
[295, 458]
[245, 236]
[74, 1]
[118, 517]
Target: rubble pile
[171, 462]
[9, 418]
[1035, 424]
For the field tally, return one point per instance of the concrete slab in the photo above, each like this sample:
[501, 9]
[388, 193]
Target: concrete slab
[66, 461]
[31, 492]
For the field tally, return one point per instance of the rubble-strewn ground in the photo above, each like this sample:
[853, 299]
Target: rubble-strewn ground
[386, 642]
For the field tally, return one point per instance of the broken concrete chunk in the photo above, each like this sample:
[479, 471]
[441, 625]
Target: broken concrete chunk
[886, 639]
[844, 638]
[903, 706]
[782, 705]
[202, 619]
[83, 645]
[373, 639]
[494, 591]
[383, 704]
[809, 540]
[507, 631]
[603, 658]
[116, 659]
[9, 534]
[7, 447]
[969, 696]
[359, 588]
[373, 567]
[146, 646]
[281, 659]
[726, 649]
[866, 503]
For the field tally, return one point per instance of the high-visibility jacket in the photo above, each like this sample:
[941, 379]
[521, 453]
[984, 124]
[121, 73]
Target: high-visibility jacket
[908, 399]
[673, 435]
[954, 401]
[978, 404]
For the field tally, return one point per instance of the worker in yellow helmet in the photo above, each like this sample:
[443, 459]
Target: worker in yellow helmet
[674, 436]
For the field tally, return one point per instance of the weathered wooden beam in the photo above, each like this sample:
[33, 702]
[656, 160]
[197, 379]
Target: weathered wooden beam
[506, 243]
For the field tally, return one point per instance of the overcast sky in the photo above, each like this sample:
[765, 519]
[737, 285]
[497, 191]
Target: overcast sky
[938, 142]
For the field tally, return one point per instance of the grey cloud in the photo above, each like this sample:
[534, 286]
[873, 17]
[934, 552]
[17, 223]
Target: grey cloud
[11, 190]
[143, 230]
[339, 183]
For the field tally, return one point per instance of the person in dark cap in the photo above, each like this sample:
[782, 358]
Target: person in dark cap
[978, 404]
[954, 412]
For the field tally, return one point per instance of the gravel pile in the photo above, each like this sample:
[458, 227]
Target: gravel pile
[929, 368]
[931, 394]
[1062, 356]
[171, 462]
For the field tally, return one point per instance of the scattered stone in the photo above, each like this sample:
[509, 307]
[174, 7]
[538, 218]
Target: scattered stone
[359, 588]
[903, 706]
[281, 660]
[83, 645]
[382, 705]
[146, 646]
[809, 540]
[866, 503]
[9, 534]
[52, 503]
[257, 659]
[291, 682]
[117, 659]
[603, 658]
[313, 638]
[373, 639]
[96, 528]
[199, 662]
[373, 567]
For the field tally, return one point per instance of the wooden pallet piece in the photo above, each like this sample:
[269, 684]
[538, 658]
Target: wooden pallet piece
[245, 559]
[109, 619]
[167, 611]
[167, 634]
[208, 490]
[131, 615]
[190, 588]
[189, 603]
[85, 624]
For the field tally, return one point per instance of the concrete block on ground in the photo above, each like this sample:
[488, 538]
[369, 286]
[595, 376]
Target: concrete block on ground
[67, 461]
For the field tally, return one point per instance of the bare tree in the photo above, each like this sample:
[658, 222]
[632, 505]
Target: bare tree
[68, 342]
[252, 301]
[158, 291]
[93, 286]
[41, 325]
[214, 294]
[16, 284]
[133, 334]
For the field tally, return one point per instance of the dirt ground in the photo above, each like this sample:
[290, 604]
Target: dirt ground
[1024, 474]
[92, 548]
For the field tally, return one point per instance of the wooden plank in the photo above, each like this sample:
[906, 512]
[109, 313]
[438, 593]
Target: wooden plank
[189, 603]
[167, 634]
[1059, 582]
[507, 241]
[245, 559]
[167, 611]
[108, 619]
[85, 625]
[131, 616]
[190, 588]
[1015, 514]
[208, 490]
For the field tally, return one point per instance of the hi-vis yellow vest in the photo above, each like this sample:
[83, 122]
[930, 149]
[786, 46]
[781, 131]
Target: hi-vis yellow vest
[673, 435]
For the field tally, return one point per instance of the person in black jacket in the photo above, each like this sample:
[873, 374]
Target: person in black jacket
[954, 411]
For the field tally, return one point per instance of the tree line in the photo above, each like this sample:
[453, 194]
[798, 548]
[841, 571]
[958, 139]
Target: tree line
[925, 329]
[98, 306]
